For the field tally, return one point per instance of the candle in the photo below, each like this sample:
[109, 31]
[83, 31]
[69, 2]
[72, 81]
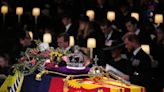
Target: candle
[90, 14]
[71, 41]
[47, 38]
[19, 10]
[91, 43]
[31, 35]
[145, 48]
[111, 15]
[36, 13]
[135, 15]
[158, 18]
[4, 9]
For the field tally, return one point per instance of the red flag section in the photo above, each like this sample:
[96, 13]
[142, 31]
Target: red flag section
[56, 85]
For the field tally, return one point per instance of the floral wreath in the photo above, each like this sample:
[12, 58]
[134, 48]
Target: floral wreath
[37, 58]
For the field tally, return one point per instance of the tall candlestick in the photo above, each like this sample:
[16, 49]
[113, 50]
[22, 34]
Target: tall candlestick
[91, 43]
[19, 18]
[71, 41]
[91, 52]
[4, 11]
[19, 12]
[36, 13]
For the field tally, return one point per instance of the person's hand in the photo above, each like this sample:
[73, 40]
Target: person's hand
[126, 77]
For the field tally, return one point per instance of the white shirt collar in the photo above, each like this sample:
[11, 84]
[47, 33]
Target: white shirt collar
[136, 51]
[109, 35]
[137, 31]
[67, 27]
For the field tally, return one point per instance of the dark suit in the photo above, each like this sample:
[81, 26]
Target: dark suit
[115, 36]
[144, 37]
[141, 70]
[17, 49]
[106, 54]
[72, 30]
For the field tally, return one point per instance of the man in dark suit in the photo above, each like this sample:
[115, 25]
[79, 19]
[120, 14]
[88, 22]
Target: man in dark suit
[140, 62]
[132, 26]
[70, 27]
[110, 34]
[24, 42]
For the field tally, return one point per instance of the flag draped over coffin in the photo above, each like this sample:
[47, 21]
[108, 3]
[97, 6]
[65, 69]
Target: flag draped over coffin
[94, 84]
[13, 83]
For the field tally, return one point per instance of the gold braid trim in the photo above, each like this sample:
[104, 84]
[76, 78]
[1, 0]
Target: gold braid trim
[68, 77]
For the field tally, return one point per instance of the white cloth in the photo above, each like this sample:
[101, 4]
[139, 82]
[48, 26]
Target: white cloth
[136, 51]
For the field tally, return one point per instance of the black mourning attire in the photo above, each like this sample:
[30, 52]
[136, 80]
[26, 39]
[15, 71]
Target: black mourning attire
[141, 69]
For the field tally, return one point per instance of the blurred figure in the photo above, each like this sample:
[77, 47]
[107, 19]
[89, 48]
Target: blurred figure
[63, 40]
[158, 53]
[140, 62]
[160, 35]
[4, 62]
[24, 42]
[118, 61]
[63, 43]
[132, 26]
[87, 30]
[70, 27]
[101, 8]
[122, 14]
[4, 67]
[110, 34]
